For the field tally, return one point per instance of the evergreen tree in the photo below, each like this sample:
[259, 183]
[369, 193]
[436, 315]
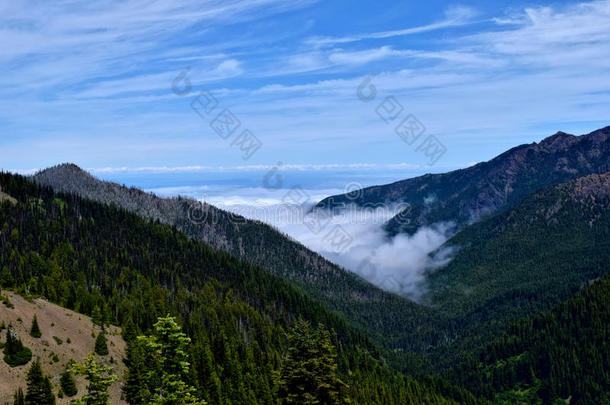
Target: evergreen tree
[35, 330]
[68, 385]
[166, 367]
[137, 385]
[15, 354]
[101, 347]
[96, 316]
[19, 397]
[6, 278]
[308, 374]
[39, 390]
[330, 388]
[99, 378]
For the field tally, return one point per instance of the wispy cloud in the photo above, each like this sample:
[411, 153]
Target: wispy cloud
[454, 17]
[93, 80]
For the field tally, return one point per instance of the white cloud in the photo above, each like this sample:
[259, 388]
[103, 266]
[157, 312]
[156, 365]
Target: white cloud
[397, 264]
[454, 16]
[577, 34]
[360, 57]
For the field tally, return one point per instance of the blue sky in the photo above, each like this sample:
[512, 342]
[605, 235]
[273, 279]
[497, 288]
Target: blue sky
[91, 82]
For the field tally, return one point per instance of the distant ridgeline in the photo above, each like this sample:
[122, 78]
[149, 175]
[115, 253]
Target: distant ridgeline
[513, 267]
[84, 255]
[387, 318]
[462, 196]
[494, 322]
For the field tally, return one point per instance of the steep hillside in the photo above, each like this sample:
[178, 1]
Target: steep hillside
[85, 255]
[562, 354]
[473, 193]
[390, 319]
[77, 339]
[515, 265]
[529, 257]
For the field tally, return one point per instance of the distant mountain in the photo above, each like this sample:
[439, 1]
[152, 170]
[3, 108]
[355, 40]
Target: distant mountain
[109, 263]
[466, 195]
[512, 267]
[385, 316]
[527, 258]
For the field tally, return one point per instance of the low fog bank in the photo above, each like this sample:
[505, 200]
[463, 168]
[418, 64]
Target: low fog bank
[355, 239]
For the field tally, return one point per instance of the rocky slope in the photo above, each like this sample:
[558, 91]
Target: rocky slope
[75, 332]
[466, 195]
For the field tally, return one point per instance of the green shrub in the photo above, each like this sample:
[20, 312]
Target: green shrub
[6, 302]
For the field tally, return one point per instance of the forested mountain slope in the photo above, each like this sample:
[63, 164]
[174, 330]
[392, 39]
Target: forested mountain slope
[562, 354]
[469, 194]
[507, 271]
[386, 317]
[519, 263]
[529, 257]
[84, 255]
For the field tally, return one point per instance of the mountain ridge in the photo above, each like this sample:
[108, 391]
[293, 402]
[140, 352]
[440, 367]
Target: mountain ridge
[575, 214]
[466, 195]
[383, 315]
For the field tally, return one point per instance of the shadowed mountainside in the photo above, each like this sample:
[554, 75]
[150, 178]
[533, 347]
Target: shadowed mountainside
[466, 195]
[524, 260]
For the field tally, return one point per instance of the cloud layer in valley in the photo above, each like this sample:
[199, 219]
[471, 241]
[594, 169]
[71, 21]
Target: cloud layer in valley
[355, 239]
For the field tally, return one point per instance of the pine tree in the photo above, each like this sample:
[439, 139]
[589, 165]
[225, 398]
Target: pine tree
[19, 397]
[15, 354]
[35, 330]
[166, 368]
[68, 385]
[331, 390]
[101, 348]
[96, 316]
[308, 373]
[39, 390]
[99, 378]
[137, 384]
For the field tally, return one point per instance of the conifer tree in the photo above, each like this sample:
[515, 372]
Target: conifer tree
[99, 379]
[159, 367]
[19, 397]
[330, 388]
[35, 330]
[101, 348]
[15, 353]
[308, 373]
[68, 385]
[96, 316]
[39, 390]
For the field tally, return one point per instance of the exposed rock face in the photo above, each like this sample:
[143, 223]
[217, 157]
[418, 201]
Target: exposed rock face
[466, 195]
[593, 186]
